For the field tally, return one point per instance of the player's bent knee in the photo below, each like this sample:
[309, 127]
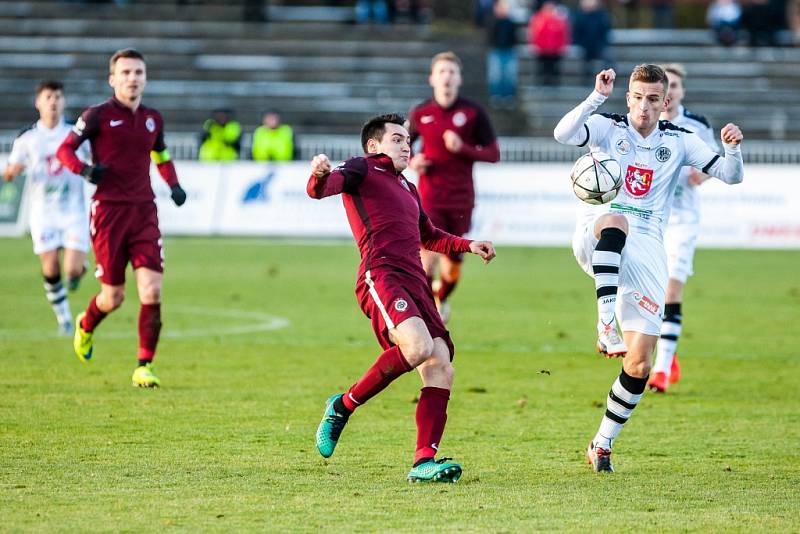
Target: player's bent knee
[417, 350]
[638, 369]
[150, 294]
[612, 220]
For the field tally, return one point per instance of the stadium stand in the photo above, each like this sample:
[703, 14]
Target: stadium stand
[326, 74]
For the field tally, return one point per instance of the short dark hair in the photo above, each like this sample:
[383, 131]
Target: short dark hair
[53, 85]
[125, 52]
[376, 127]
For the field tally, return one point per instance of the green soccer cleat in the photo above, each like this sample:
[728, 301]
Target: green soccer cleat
[442, 470]
[82, 342]
[143, 377]
[330, 428]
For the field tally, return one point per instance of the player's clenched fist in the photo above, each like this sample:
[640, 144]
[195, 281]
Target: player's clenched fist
[484, 249]
[731, 134]
[452, 141]
[604, 82]
[320, 166]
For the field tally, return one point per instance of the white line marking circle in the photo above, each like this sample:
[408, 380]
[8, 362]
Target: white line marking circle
[256, 322]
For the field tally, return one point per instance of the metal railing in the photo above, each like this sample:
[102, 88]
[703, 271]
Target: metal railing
[184, 146]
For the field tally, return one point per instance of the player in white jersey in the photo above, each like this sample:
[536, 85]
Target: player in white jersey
[620, 244]
[680, 237]
[58, 213]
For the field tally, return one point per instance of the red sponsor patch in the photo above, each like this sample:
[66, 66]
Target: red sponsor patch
[638, 180]
[646, 303]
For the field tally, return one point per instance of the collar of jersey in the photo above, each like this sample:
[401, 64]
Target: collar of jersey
[383, 159]
[116, 103]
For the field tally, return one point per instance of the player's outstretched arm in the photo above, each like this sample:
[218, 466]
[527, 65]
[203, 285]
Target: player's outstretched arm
[325, 182]
[572, 129]
[730, 168]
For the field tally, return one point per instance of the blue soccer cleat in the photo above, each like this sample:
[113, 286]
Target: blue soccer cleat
[330, 428]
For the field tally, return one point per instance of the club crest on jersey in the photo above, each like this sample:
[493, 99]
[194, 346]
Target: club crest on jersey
[400, 305]
[663, 154]
[638, 181]
[460, 119]
[646, 303]
[150, 124]
[623, 146]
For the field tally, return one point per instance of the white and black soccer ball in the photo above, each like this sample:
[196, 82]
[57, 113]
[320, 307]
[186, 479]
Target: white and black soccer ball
[596, 178]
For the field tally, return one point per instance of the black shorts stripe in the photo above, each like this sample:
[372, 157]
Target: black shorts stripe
[614, 417]
[710, 163]
[59, 300]
[621, 402]
[669, 337]
[606, 291]
[605, 269]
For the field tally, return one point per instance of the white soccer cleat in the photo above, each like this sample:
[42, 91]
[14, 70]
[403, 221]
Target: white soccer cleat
[609, 342]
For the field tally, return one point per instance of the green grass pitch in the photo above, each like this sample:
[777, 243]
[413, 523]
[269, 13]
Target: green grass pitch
[259, 332]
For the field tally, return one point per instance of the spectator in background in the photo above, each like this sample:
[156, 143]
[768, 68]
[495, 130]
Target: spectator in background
[591, 29]
[549, 36]
[793, 20]
[762, 19]
[221, 137]
[482, 12]
[273, 141]
[502, 65]
[372, 10]
[723, 17]
[663, 13]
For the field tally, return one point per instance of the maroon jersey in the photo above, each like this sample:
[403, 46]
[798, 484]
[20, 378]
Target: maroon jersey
[385, 215]
[447, 183]
[121, 140]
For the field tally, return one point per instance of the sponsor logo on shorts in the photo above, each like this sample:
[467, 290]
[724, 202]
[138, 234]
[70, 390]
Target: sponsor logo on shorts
[646, 302]
[400, 305]
[460, 119]
[638, 181]
[663, 154]
[623, 146]
[150, 124]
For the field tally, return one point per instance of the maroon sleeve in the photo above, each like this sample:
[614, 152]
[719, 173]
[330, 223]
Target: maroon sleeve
[486, 147]
[165, 168]
[489, 153]
[437, 240]
[168, 173]
[343, 179]
[434, 239]
[85, 128]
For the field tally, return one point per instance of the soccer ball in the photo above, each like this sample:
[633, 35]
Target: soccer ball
[596, 178]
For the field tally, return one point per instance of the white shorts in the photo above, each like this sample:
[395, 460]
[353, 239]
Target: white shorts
[642, 278]
[60, 230]
[680, 241]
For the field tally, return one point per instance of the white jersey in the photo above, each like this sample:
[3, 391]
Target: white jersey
[686, 207]
[54, 190]
[651, 166]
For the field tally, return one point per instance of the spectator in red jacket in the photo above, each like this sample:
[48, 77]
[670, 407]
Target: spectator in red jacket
[549, 37]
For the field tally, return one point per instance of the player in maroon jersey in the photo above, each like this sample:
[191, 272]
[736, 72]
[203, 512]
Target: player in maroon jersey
[389, 225]
[124, 136]
[455, 133]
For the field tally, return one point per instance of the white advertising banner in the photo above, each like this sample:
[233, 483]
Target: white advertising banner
[517, 204]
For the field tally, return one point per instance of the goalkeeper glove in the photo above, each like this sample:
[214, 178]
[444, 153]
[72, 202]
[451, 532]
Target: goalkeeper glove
[178, 195]
[93, 173]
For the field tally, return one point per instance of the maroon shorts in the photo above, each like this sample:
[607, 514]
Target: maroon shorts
[389, 297]
[456, 221]
[123, 233]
